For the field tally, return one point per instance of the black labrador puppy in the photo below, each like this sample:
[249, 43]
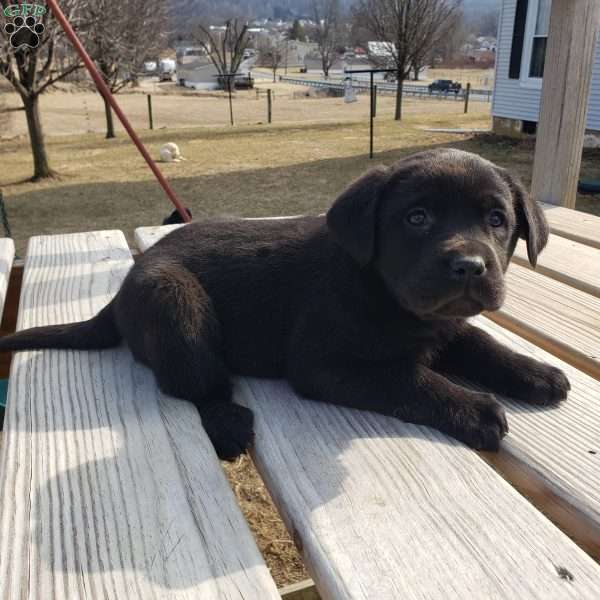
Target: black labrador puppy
[365, 307]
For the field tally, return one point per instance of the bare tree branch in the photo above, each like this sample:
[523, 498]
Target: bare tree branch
[225, 47]
[326, 15]
[409, 29]
[272, 53]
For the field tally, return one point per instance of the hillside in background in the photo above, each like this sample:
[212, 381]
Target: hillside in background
[279, 9]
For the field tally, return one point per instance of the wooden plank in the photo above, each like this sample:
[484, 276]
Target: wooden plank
[148, 236]
[383, 509]
[570, 53]
[552, 454]
[572, 263]
[305, 590]
[573, 224]
[109, 489]
[553, 315]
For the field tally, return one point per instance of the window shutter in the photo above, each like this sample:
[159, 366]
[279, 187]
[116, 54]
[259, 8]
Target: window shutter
[516, 50]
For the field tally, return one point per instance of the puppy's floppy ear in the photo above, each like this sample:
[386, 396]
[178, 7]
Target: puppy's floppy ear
[531, 222]
[352, 219]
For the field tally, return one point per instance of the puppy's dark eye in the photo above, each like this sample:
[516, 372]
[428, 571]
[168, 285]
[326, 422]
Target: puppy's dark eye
[496, 218]
[417, 217]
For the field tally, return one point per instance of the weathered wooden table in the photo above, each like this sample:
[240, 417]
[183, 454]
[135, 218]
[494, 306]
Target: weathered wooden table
[109, 489]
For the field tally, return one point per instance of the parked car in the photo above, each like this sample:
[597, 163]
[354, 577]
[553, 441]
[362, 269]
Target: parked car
[242, 81]
[166, 69]
[444, 86]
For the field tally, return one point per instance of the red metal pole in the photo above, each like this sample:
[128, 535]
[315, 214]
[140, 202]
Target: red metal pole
[103, 89]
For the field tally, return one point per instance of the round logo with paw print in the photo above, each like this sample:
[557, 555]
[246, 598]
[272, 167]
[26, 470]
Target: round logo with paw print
[24, 32]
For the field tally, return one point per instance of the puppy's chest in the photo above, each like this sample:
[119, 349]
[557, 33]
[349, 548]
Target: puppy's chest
[401, 342]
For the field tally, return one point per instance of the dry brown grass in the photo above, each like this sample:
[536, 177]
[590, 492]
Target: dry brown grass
[268, 529]
[247, 171]
[76, 112]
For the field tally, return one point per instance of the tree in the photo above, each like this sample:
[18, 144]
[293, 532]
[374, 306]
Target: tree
[121, 37]
[296, 32]
[409, 29]
[448, 36]
[225, 46]
[326, 15]
[272, 52]
[450, 46]
[32, 67]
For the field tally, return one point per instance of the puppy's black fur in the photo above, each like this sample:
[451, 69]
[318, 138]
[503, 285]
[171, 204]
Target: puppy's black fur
[175, 217]
[365, 307]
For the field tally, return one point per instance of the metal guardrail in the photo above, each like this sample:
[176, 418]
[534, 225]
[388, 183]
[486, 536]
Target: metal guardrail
[390, 88]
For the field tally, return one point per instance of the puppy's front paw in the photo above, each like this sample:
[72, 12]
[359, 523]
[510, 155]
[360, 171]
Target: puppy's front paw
[542, 384]
[230, 428]
[479, 422]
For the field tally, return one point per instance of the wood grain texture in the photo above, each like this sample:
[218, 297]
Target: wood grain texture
[572, 263]
[559, 447]
[7, 255]
[381, 509]
[570, 54]
[573, 224]
[148, 236]
[108, 488]
[555, 316]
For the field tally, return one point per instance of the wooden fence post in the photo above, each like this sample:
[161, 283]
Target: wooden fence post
[570, 52]
[150, 119]
[269, 105]
[467, 94]
[374, 100]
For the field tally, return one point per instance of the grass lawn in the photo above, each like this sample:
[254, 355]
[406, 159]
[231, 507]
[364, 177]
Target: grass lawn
[245, 171]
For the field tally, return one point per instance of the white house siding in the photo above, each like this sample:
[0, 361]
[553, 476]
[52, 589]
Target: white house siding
[515, 101]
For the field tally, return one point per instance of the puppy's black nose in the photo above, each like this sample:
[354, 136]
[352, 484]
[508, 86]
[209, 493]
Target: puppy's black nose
[464, 267]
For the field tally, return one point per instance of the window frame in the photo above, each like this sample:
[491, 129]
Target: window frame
[530, 23]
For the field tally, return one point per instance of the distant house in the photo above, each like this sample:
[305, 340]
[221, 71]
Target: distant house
[380, 50]
[520, 56]
[297, 52]
[195, 69]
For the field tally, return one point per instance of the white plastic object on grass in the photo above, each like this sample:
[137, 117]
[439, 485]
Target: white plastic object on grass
[170, 153]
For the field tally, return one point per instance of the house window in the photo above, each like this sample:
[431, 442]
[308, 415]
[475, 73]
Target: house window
[539, 38]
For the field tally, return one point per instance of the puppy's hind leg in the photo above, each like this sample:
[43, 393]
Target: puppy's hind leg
[173, 328]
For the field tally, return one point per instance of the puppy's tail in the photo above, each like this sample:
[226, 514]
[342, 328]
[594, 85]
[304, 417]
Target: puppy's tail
[97, 333]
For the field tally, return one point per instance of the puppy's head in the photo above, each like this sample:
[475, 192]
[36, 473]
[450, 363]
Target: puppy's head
[440, 228]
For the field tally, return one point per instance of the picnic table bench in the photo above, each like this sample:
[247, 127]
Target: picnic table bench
[111, 489]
